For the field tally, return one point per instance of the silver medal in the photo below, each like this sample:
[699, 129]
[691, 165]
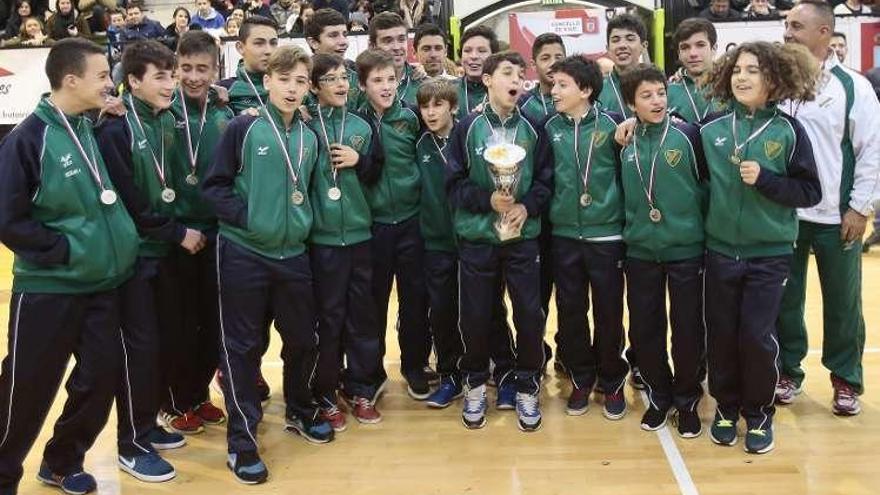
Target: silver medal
[168, 195]
[735, 159]
[586, 199]
[655, 215]
[192, 179]
[297, 197]
[334, 193]
[108, 197]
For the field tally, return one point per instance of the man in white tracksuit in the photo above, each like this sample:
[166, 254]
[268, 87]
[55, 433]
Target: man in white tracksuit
[843, 124]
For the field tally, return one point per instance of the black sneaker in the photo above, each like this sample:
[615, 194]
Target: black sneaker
[578, 402]
[759, 441]
[247, 467]
[689, 424]
[654, 419]
[615, 405]
[417, 385]
[315, 430]
[432, 376]
[723, 431]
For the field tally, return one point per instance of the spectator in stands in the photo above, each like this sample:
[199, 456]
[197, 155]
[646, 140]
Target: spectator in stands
[364, 7]
[237, 14]
[306, 12]
[852, 7]
[225, 7]
[94, 11]
[208, 18]
[232, 27]
[342, 6]
[31, 33]
[358, 22]
[719, 10]
[414, 12]
[117, 25]
[67, 22]
[759, 10]
[282, 10]
[256, 7]
[139, 26]
[180, 25]
[838, 45]
[21, 11]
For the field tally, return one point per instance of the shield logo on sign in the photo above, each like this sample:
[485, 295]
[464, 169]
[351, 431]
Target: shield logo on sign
[673, 157]
[772, 149]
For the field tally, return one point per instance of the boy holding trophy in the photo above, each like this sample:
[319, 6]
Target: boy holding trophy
[499, 180]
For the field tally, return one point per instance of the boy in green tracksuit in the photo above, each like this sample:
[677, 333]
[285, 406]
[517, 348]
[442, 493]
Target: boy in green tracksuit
[438, 100]
[586, 214]
[477, 44]
[661, 172]
[627, 38]
[259, 187]
[761, 168]
[537, 104]
[486, 260]
[200, 122]
[695, 39]
[257, 39]
[349, 158]
[140, 152]
[74, 245]
[397, 244]
[326, 33]
[388, 33]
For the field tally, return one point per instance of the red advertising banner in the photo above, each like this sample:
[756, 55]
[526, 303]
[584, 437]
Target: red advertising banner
[582, 31]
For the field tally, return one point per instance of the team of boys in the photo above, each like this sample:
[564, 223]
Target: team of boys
[170, 239]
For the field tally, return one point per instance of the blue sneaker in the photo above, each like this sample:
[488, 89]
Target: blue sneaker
[161, 439]
[315, 430]
[528, 411]
[447, 392]
[759, 440]
[506, 400]
[247, 467]
[74, 484]
[150, 467]
[473, 415]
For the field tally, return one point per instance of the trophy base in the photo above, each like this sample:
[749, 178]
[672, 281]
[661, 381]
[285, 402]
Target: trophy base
[507, 232]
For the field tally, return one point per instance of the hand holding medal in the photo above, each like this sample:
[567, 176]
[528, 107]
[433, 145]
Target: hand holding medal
[749, 170]
[342, 156]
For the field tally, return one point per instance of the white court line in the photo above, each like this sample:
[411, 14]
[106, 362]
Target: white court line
[673, 456]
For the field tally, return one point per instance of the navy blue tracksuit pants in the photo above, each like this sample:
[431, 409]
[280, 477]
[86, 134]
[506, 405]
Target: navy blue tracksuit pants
[647, 284]
[483, 267]
[346, 322]
[44, 331]
[149, 310]
[585, 271]
[193, 354]
[441, 279]
[743, 297]
[398, 253]
[252, 286]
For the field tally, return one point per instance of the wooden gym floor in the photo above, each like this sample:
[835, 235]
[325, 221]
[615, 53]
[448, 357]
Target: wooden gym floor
[420, 451]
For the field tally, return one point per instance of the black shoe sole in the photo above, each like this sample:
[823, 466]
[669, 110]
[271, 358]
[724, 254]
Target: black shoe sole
[474, 426]
[292, 428]
[246, 481]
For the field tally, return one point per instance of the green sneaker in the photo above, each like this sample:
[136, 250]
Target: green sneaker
[759, 441]
[723, 431]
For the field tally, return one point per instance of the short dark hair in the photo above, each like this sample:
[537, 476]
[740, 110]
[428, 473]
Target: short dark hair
[322, 63]
[197, 42]
[135, 4]
[546, 39]
[692, 26]
[370, 60]
[321, 19]
[822, 8]
[385, 20]
[428, 29]
[627, 22]
[437, 89]
[141, 53]
[585, 72]
[631, 79]
[68, 56]
[494, 60]
[249, 23]
[838, 34]
[485, 32]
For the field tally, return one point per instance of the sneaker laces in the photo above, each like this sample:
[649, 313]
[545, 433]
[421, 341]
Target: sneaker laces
[362, 402]
[845, 392]
[758, 431]
[528, 403]
[474, 398]
[724, 423]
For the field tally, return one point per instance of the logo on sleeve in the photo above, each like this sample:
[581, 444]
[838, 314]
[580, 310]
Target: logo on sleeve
[720, 140]
[772, 149]
[673, 157]
[142, 144]
[557, 137]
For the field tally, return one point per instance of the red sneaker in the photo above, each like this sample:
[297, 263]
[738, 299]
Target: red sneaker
[334, 416]
[365, 411]
[209, 413]
[846, 400]
[187, 423]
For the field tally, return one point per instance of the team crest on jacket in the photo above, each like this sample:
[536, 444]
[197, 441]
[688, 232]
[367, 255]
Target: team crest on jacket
[599, 138]
[357, 142]
[772, 149]
[401, 126]
[673, 157]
